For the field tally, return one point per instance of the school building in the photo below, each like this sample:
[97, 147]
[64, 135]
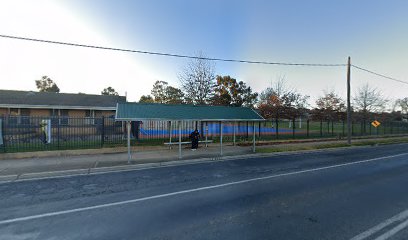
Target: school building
[64, 105]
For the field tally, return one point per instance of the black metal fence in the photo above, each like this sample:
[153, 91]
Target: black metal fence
[18, 133]
[21, 133]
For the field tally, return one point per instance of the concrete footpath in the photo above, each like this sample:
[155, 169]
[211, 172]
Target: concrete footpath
[20, 166]
[64, 163]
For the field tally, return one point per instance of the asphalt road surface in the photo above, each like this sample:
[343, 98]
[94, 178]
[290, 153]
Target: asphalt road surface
[356, 193]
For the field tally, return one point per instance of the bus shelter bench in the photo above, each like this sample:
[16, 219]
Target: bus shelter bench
[183, 143]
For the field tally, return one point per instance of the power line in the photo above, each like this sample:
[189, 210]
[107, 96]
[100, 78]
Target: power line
[380, 75]
[172, 55]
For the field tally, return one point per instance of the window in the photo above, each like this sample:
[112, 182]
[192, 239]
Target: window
[25, 116]
[60, 115]
[89, 113]
[19, 116]
[54, 116]
[63, 116]
[90, 117]
[14, 111]
[13, 118]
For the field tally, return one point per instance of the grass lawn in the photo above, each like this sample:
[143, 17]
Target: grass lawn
[320, 145]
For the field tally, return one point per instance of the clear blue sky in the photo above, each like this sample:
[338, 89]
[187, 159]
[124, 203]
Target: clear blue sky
[373, 33]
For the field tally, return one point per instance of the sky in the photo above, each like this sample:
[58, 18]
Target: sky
[373, 33]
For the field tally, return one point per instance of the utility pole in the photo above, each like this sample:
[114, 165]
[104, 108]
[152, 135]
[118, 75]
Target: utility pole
[348, 103]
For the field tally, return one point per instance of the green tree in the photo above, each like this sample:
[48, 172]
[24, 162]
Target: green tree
[45, 84]
[229, 92]
[163, 93]
[174, 95]
[159, 91]
[280, 101]
[330, 105]
[146, 99]
[109, 91]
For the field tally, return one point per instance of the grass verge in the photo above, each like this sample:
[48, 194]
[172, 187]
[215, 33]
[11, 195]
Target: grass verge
[316, 146]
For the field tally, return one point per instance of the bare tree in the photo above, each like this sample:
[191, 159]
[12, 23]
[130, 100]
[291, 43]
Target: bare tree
[402, 104]
[369, 99]
[197, 80]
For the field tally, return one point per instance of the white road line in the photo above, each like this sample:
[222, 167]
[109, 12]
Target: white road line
[20, 219]
[393, 231]
[399, 217]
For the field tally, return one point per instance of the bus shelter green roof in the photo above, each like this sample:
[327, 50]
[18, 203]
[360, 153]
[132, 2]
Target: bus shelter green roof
[154, 111]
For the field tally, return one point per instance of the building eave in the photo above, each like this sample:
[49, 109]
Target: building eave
[57, 107]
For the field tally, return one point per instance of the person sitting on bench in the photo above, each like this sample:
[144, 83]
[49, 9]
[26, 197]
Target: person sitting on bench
[194, 136]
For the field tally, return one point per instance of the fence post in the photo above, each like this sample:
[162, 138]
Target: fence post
[201, 127]
[259, 131]
[3, 134]
[234, 134]
[277, 128]
[206, 134]
[307, 128]
[328, 127]
[370, 129]
[102, 131]
[343, 129]
[58, 134]
[399, 127]
[332, 127]
[247, 131]
[293, 128]
[384, 128]
[352, 127]
[321, 127]
[391, 130]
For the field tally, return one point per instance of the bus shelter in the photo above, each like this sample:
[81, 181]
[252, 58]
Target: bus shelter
[130, 112]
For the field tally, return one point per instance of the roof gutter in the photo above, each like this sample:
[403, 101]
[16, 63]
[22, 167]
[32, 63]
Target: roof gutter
[57, 107]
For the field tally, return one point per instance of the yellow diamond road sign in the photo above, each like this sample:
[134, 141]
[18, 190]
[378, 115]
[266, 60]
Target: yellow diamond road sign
[376, 123]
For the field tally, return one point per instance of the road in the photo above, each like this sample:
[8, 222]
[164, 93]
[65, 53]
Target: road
[354, 193]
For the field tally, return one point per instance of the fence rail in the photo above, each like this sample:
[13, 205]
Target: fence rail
[18, 134]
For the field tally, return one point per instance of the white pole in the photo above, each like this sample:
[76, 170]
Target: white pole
[253, 147]
[179, 139]
[48, 129]
[128, 141]
[206, 134]
[233, 126]
[170, 130]
[221, 137]
[300, 122]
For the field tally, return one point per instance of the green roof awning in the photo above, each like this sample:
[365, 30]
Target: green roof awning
[154, 111]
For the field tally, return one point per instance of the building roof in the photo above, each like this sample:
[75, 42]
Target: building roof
[30, 99]
[146, 111]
